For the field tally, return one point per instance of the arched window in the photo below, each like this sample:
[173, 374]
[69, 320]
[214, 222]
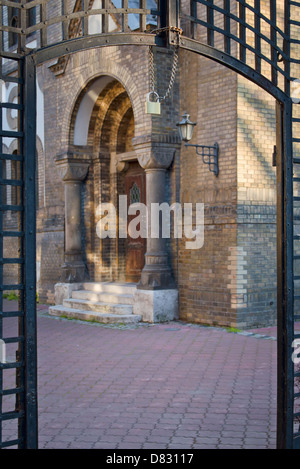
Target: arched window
[135, 194]
[14, 22]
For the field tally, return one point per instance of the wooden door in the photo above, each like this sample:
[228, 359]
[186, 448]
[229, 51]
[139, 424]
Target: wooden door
[135, 187]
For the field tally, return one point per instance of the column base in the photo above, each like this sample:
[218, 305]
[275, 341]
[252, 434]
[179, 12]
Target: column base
[72, 272]
[156, 277]
[156, 305]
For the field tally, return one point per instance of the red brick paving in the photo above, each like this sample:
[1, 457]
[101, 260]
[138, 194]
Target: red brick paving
[168, 386]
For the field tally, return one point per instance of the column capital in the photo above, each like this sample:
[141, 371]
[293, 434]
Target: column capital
[155, 151]
[72, 168]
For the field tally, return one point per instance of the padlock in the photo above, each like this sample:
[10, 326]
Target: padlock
[152, 107]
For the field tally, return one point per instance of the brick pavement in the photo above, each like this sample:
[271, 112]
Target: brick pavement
[167, 386]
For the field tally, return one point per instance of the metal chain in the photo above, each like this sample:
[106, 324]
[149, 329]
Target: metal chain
[173, 75]
[173, 72]
[151, 70]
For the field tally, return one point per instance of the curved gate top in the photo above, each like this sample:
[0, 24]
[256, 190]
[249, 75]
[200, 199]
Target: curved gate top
[259, 39]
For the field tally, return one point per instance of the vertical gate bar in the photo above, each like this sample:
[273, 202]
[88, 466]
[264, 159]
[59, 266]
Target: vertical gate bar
[210, 23]
[172, 18]
[193, 10]
[125, 16]
[85, 20]
[20, 354]
[227, 27]
[163, 8]
[105, 17]
[173, 13]
[30, 253]
[285, 293]
[22, 15]
[281, 384]
[242, 32]
[1, 41]
[257, 37]
[289, 287]
[43, 15]
[1, 265]
[286, 46]
[273, 18]
[143, 16]
[64, 11]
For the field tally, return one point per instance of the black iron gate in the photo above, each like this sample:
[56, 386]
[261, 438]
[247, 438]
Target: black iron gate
[259, 39]
[18, 381]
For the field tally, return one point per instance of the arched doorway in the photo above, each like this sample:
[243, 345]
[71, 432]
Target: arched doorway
[103, 127]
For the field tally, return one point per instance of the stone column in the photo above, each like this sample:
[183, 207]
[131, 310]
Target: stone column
[156, 296]
[73, 172]
[156, 273]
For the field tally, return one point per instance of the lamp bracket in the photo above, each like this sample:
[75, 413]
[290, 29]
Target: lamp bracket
[210, 155]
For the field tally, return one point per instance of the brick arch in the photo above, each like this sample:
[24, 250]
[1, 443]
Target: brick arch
[111, 124]
[125, 132]
[13, 146]
[118, 73]
[108, 112]
[123, 75]
[75, 115]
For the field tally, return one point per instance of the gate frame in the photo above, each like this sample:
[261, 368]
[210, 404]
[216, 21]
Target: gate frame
[284, 185]
[284, 198]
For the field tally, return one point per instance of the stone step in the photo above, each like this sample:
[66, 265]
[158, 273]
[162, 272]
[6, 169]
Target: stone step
[104, 318]
[110, 287]
[123, 298]
[98, 306]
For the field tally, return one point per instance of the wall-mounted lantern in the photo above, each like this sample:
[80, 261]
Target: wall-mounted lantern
[210, 154]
